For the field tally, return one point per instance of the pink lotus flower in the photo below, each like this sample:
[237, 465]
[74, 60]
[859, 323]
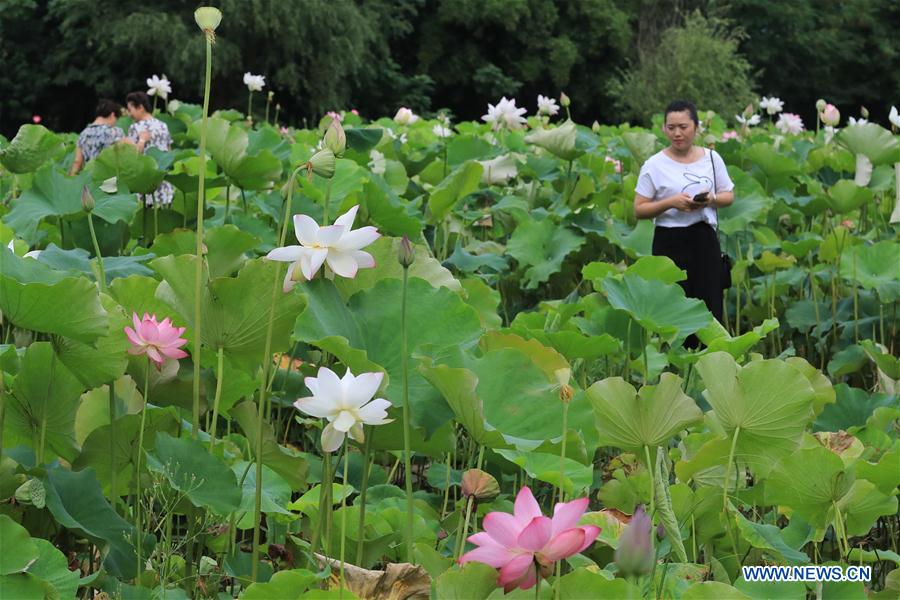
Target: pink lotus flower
[830, 115]
[36, 119]
[512, 543]
[617, 164]
[729, 135]
[159, 341]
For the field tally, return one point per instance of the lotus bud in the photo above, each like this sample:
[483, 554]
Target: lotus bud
[564, 100]
[864, 112]
[322, 164]
[479, 485]
[565, 390]
[335, 138]
[271, 95]
[749, 111]
[87, 200]
[595, 127]
[830, 115]
[820, 104]
[208, 19]
[634, 556]
[406, 255]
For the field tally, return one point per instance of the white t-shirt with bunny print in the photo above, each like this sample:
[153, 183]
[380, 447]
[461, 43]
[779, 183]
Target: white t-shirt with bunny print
[662, 176]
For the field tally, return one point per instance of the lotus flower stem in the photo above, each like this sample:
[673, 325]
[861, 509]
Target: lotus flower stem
[198, 275]
[446, 487]
[323, 502]
[567, 190]
[562, 454]
[344, 516]
[250, 106]
[264, 380]
[227, 202]
[155, 98]
[734, 440]
[465, 527]
[327, 201]
[652, 478]
[220, 360]
[407, 452]
[102, 278]
[367, 445]
[112, 441]
[137, 467]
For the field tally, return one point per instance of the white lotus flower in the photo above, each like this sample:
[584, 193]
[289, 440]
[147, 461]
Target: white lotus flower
[789, 123]
[32, 254]
[377, 164]
[547, 106]
[859, 121]
[772, 105]
[753, 120]
[894, 117]
[405, 116]
[345, 403]
[255, 83]
[159, 86]
[498, 170]
[394, 136]
[442, 131]
[505, 114]
[338, 245]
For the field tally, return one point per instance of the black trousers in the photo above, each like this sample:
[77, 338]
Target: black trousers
[695, 249]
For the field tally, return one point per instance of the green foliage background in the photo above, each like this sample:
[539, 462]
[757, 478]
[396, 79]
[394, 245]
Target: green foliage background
[58, 56]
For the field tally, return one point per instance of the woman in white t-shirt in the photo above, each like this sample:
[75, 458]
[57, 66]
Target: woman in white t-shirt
[675, 189]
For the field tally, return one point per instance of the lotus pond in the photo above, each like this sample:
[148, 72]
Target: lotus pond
[407, 340]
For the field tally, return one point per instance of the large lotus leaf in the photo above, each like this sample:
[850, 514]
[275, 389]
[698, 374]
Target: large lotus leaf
[717, 339]
[226, 247]
[863, 505]
[573, 344]
[501, 411]
[777, 167]
[658, 307]
[751, 204]
[105, 359]
[391, 213]
[42, 404]
[53, 193]
[228, 145]
[768, 538]
[472, 581]
[772, 590]
[364, 334]
[78, 260]
[15, 536]
[53, 568]
[845, 196]
[585, 583]
[276, 492]
[559, 141]
[875, 267]
[136, 294]
[631, 420]
[885, 362]
[766, 404]
[544, 357]
[546, 467]
[456, 186]
[851, 409]
[641, 145]
[285, 585]
[32, 146]
[872, 140]
[810, 481]
[653, 268]
[76, 502]
[541, 246]
[99, 453]
[235, 309]
[284, 461]
[713, 590]
[885, 474]
[190, 468]
[385, 251]
[26, 585]
[126, 164]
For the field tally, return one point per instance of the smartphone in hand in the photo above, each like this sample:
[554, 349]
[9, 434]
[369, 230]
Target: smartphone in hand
[701, 198]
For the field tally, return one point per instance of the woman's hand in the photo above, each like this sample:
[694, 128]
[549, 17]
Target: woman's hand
[683, 202]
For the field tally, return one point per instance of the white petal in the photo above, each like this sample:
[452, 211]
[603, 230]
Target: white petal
[363, 259]
[343, 263]
[345, 420]
[375, 412]
[357, 239]
[329, 236]
[330, 386]
[286, 254]
[305, 228]
[312, 384]
[289, 282]
[316, 406]
[346, 219]
[312, 260]
[331, 438]
[357, 433]
[361, 389]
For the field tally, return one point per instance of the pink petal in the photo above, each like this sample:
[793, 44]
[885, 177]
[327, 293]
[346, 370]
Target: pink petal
[133, 337]
[154, 355]
[567, 514]
[515, 569]
[483, 538]
[590, 534]
[137, 350]
[502, 527]
[536, 535]
[149, 331]
[495, 556]
[563, 545]
[174, 353]
[526, 507]
[530, 578]
[137, 321]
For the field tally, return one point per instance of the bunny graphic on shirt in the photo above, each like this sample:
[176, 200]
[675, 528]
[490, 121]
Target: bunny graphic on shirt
[697, 184]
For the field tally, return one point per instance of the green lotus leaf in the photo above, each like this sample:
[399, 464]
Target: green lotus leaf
[874, 267]
[641, 144]
[559, 141]
[457, 185]
[751, 204]
[15, 536]
[885, 474]
[664, 508]
[40, 410]
[658, 307]
[632, 420]
[768, 538]
[810, 481]
[226, 247]
[105, 359]
[32, 147]
[863, 505]
[78, 260]
[585, 583]
[656, 268]
[229, 146]
[776, 168]
[26, 585]
[845, 196]
[713, 590]
[123, 161]
[772, 590]
[765, 425]
[52, 193]
[283, 461]
[472, 581]
[288, 585]
[386, 209]
[276, 492]
[576, 480]
[541, 247]
[190, 468]
[872, 140]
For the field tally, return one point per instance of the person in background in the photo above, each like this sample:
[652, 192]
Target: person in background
[149, 132]
[98, 135]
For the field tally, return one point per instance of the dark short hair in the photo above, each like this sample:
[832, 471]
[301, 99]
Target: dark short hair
[107, 107]
[139, 99]
[682, 106]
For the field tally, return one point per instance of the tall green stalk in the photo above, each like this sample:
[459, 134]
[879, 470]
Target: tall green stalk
[360, 543]
[112, 441]
[407, 452]
[215, 415]
[137, 467]
[344, 515]
[102, 278]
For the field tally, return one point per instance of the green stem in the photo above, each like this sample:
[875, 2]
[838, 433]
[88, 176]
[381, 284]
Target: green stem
[344, 515]
[407, 452]
[567, 191]
[360, 543]
[137, 470]
[562, 453]
[112, 441]
[652, 481]
[220, 371]
[734, 440]
[462, 538]
[102, 280]
[227, 202]
[198, 274]
[250, 107]
[327, 202]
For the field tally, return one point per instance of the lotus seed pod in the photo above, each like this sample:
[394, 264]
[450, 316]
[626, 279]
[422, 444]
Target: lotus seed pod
[820, 104]
[480, 485]
[322, 164]
[208, 19]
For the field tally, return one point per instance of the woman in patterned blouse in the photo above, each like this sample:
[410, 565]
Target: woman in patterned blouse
[98, 135]
[149, 132]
